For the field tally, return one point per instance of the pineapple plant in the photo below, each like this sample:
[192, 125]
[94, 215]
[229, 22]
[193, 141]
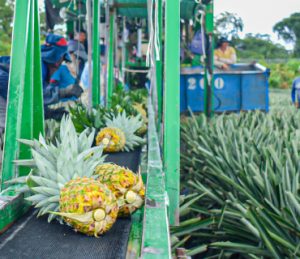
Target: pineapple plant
[128, 125]
[127, 186]
[113, 139]
[61, 182]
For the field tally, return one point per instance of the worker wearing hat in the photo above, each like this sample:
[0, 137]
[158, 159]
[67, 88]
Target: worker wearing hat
[224, 55]
[58, 83]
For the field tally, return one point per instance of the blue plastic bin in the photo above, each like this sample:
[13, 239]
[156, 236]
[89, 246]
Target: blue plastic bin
[243, 87]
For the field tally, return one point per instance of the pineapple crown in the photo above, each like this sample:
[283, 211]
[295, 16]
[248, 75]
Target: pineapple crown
[129, 125]
[56, 164]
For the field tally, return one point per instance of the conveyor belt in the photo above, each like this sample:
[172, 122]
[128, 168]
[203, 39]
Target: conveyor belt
[34, 238]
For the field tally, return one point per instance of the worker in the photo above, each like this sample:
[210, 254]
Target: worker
[82, 38]
[78, 56]
[58, 83]
[296, 91]
[224, 55]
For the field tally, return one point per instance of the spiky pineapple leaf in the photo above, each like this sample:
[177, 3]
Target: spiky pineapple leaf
[129, 125]
[55, 164]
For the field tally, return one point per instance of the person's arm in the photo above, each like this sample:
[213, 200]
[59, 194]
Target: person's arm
[51, 94]
[218, 63]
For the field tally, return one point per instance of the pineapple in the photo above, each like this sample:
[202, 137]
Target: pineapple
[126, 185]
[140, 109]
[88, 206]
[60, 183]
[129, 125]
[113, 139]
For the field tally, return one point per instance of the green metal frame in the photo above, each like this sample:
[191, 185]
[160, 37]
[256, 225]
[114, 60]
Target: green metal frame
[96, 93]
[25, 116]
[156, 237]
[172, 107]
[159, 65]
[25, 88]
[209, 62]
[110, 57]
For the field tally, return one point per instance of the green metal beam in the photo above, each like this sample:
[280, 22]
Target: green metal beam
[209, 62]
[110, 64]
[38, 102]
[26, 129]
[25, 104]
[12, 207]
[135, 236]
[172, 107]
[15, 90]
[156, 237]
[96, 55]
[159, 66]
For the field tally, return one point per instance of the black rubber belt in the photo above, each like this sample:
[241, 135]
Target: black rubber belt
[34, 238]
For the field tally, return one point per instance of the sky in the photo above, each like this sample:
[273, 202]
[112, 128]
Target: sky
[259, 16]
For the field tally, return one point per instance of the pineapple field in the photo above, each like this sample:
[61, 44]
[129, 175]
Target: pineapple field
[240, 180]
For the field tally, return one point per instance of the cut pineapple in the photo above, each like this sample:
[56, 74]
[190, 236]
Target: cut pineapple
[113, 139]
[130, 126]
[126, 185]
[88, 206]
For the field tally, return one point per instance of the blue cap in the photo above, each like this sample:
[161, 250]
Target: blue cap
[54, 49]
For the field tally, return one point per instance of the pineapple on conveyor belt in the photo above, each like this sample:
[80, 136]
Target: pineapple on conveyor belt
[127, 186]
[88, 206]
[113, 139]
[140, 109]
[128, 125]
[61, 182]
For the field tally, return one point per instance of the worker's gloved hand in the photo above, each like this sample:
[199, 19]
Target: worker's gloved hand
[70, 91]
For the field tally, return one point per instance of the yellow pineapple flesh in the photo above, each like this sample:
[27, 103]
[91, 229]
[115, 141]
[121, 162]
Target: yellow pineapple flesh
[113, 139]
[127, 186]
[88, 206]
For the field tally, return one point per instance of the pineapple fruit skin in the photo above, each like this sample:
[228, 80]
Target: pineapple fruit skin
[116, 139]
[121, 180]
[84, 195]
[140, 109]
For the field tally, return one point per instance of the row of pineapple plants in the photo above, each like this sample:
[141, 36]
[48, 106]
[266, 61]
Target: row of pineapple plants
[241, 180]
